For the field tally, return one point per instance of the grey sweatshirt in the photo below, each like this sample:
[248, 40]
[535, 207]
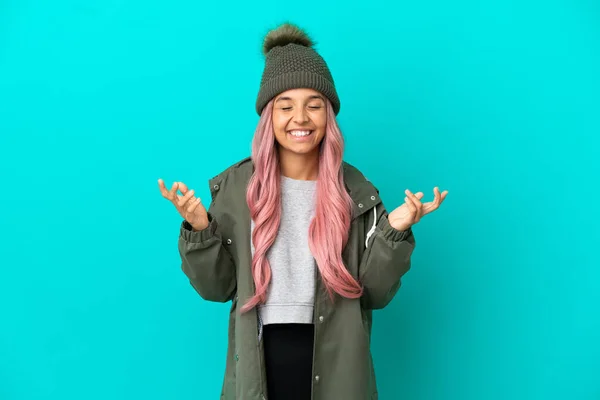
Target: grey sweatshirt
[290, 294]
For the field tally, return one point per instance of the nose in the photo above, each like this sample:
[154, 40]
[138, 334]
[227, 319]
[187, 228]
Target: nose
[300, 116]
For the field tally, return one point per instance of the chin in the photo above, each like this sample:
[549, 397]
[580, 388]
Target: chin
[300, 149]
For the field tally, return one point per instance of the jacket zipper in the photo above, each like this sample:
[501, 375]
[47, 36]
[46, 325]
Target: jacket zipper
[315, 318]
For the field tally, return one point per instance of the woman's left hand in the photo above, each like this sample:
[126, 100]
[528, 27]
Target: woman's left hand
[413, 210]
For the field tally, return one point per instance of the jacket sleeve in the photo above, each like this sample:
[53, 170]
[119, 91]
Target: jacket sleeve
[385, 261]
[206, 262]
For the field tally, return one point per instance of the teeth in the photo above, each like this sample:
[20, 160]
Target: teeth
[300, 133]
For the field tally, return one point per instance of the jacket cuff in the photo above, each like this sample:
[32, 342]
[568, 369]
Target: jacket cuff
[390, 233]
[187, 232]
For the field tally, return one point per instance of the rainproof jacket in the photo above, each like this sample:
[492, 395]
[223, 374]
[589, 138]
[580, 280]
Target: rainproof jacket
[217, 261]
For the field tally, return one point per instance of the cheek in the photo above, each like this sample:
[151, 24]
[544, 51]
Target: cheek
[279, 125]
[280, 120]
[321, 124]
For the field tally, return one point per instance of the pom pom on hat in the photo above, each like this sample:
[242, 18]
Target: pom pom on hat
[285, 34]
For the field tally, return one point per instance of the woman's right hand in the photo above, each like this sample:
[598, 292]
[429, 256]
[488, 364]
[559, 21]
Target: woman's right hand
[189, 207]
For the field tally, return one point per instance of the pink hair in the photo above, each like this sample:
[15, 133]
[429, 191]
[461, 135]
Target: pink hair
[328, 231]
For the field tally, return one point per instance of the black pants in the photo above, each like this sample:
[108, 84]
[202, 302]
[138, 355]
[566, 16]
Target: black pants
[288, 359]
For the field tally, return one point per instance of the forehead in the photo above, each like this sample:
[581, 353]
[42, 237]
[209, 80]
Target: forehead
[299, 94]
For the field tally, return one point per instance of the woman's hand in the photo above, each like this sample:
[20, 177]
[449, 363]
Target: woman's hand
[413, 210]
[189, 207]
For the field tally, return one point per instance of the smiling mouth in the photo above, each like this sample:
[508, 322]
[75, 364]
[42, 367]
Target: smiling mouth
[300, 133]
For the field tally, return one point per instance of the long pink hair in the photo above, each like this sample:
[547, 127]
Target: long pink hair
[328, 230]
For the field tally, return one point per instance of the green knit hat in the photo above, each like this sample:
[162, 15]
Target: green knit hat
[291, 63]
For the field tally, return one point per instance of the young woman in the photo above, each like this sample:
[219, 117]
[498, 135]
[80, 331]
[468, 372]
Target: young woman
[298, 240]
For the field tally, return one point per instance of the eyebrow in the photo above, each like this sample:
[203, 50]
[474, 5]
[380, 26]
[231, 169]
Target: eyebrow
[310, 98]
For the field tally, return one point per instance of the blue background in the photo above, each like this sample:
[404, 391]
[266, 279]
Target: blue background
[496, 101]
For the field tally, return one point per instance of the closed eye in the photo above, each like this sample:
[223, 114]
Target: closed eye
[310, 107]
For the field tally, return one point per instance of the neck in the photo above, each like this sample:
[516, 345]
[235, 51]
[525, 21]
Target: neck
[304, 167]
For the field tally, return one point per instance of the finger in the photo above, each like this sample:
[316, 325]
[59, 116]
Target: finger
[419, 196]
[443, 196]
[173, 192]
[184, 201]
[193, 204]
[429, 207]
[440, 196]
[434, 205]
[163, 189]
[411, 206]
[413, 197]
[183, 188]
[417, 204]
[436, 196]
